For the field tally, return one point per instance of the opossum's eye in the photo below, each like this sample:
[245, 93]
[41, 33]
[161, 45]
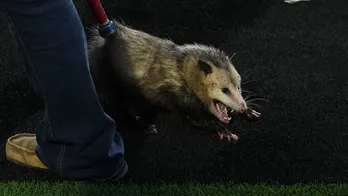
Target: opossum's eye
[225, 90]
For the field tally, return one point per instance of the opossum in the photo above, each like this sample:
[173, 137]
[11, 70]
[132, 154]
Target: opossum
[191, 79]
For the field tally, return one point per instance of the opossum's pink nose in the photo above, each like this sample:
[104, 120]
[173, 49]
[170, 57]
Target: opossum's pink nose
[242, 107]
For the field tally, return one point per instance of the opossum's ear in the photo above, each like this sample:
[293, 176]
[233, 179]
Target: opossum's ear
[205, 67]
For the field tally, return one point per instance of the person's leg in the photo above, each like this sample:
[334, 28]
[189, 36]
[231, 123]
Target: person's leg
[76, 139]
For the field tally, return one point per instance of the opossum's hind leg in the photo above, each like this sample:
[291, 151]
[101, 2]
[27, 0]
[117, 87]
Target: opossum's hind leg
[151, 129]
[147, 120]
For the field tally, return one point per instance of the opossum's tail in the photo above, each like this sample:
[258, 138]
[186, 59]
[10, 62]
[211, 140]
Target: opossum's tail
[97, 59]
[105, 26]
[99, 31]
[96, 48]
[108, 56]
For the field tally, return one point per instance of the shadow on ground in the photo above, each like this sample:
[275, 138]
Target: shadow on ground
[295, 56]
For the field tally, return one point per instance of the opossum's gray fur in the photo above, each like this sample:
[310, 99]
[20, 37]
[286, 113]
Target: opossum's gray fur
[165, 73]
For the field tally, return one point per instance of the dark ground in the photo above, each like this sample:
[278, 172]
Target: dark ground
[297, 56]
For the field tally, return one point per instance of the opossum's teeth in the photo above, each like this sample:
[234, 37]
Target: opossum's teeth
[218, 107]
[222, 109]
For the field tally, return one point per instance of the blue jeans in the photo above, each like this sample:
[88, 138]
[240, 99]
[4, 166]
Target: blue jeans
[76, 139]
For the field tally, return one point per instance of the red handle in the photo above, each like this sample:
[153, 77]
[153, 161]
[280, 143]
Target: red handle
[98, 11]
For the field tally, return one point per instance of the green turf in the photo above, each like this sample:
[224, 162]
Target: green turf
[84, 189]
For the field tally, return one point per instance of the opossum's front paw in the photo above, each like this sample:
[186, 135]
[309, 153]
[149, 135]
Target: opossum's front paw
[252, 113]
[151, 129]
[228, 135]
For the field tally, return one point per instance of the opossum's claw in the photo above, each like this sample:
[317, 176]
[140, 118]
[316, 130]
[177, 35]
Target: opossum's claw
[230, 136]
[151, 129]
[137, 118]
[252, 113]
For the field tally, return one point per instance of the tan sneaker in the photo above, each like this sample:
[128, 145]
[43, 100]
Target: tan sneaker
[20, 149]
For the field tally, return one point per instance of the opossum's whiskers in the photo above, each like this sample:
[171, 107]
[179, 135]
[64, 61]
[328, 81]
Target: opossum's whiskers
[253, 104]
[250, 102]
[257, 99]
[243, 75]
[246, 91]
[248, 96]
[231, 57]
[246, 82]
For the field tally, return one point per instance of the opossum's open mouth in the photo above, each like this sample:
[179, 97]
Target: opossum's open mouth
[222, 111]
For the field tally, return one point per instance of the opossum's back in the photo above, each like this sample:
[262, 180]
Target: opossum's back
[153, 60]
[143, 61]
[145, 51]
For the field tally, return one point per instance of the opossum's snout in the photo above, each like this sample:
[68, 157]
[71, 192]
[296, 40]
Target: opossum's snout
[224, 104]
[227, 99]
[242, 107]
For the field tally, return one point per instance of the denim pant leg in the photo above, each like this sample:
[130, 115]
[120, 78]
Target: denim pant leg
[77, 140]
